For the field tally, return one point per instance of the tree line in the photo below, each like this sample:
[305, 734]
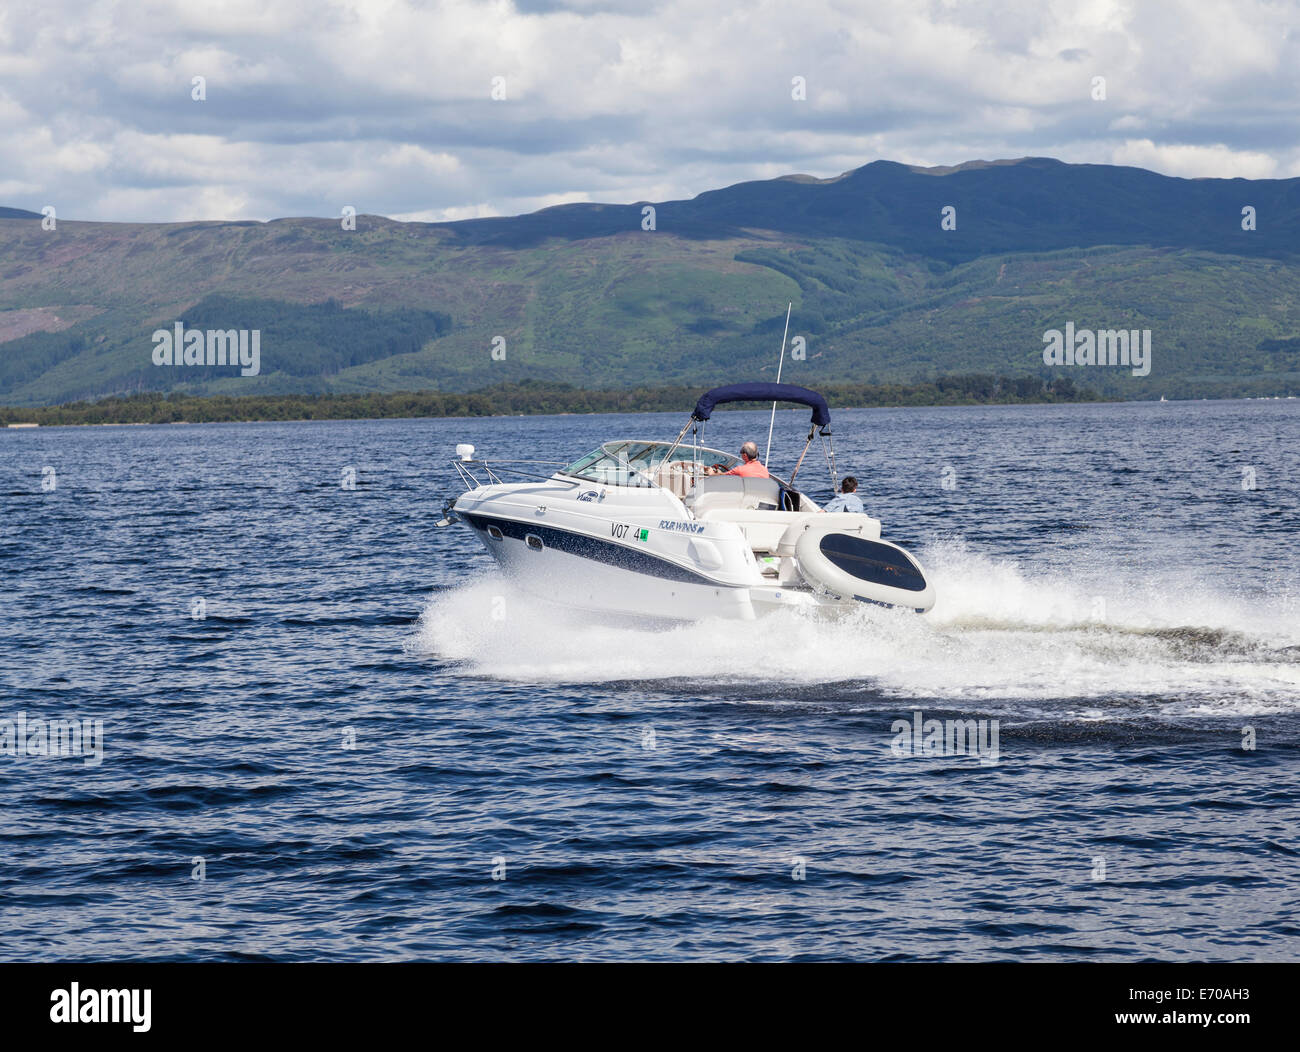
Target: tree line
[527, 397]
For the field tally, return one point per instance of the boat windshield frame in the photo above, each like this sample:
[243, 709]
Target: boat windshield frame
[630, 462]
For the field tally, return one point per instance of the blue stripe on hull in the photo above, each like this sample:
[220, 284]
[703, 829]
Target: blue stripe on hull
[579, 544]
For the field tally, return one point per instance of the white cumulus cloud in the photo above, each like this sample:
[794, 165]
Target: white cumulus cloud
[387, 104]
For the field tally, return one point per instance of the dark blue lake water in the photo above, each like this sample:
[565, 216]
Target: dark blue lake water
[1112, 591]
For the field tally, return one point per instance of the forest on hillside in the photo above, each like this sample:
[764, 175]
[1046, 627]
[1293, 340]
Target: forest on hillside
[527, 398]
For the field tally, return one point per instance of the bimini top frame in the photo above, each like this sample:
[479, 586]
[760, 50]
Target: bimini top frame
[764, 392]
[820, 423]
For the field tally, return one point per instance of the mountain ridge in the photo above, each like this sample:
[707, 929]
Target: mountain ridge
[580, 293]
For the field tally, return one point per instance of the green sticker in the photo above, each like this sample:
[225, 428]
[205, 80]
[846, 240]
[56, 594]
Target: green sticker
[642, 535]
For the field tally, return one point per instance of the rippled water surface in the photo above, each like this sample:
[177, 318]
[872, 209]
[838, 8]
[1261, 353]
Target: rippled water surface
[1111, 591]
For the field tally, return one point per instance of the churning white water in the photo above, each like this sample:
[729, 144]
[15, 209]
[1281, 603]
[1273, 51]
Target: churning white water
[998, 632]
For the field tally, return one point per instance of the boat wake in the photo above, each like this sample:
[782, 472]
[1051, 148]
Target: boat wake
[997, 632]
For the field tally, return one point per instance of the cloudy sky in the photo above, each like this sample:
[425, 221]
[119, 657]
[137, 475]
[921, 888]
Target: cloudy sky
[386, 105]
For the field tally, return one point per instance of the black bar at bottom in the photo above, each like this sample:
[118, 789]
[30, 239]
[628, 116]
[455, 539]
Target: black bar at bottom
[678, 1002]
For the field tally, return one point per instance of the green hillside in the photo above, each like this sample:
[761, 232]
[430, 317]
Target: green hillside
[581, 294]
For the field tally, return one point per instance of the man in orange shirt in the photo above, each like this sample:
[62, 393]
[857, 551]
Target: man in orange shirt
[750, 466]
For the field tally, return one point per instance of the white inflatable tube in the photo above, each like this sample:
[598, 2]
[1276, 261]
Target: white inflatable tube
[853, 565]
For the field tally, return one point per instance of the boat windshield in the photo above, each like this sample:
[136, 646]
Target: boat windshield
[631, 463]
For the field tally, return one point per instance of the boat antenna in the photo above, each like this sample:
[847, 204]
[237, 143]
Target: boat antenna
[772, 423]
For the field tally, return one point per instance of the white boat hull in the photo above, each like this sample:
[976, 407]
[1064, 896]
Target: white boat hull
[593, 584]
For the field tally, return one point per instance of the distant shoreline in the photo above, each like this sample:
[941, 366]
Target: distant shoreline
[9, 423]
[521, 399]
[537, 399]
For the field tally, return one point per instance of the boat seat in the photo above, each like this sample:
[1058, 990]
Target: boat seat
[676, 477]
[763, 529]
[734, 491]
[778, 531]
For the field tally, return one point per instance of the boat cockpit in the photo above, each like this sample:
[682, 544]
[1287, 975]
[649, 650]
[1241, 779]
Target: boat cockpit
[668, 465]
[694, 474]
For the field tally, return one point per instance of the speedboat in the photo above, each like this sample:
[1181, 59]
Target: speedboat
[661, 529]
